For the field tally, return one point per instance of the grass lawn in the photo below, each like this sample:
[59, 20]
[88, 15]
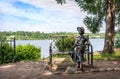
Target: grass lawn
[115, 56]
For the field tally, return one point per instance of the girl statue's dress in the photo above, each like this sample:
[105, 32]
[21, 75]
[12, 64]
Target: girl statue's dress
[79, 47]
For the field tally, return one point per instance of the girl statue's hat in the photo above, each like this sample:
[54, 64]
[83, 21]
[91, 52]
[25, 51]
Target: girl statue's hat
[80, 29]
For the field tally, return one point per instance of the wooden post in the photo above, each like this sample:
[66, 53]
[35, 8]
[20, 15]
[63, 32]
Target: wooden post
[2, 54]
[63, 43]
[91, 55]
[50, 54]
[14, 49]
[88, 54]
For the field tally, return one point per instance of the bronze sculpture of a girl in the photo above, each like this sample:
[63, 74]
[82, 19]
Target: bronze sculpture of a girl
[79, 47]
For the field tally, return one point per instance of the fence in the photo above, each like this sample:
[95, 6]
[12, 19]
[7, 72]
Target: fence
[8, 50]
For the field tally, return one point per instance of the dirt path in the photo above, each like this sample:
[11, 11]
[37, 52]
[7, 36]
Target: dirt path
[35, 70]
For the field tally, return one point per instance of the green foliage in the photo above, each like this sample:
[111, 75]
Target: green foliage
[117, 19]
[99, 11]
[24, 35]
[96, 8]
[103, 56]
[6, 52]
[27, 52]
[93, 23]
[65, 44]
[117, 43]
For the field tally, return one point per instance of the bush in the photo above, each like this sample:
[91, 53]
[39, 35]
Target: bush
[68, 43]
[27, 52]
[117, 43]
[6, 53]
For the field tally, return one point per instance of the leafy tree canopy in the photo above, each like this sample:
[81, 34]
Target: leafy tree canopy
[96, 8]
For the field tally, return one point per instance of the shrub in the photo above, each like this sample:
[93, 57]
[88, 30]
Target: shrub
[27, 52]
[68, 43]
[117, 43]
[6, 52]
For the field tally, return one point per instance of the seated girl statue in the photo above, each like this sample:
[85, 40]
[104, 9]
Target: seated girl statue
[79, 47]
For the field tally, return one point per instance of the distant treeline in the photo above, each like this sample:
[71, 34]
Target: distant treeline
[24, 35]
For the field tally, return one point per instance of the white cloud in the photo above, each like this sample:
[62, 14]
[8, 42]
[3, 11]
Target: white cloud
[50, 4]
[70, 7]
[57, 17]
[8, 8]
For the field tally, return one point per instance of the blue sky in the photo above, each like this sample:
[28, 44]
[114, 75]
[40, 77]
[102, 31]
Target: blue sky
[40, 15]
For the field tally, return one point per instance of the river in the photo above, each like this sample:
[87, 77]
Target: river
[44, 45]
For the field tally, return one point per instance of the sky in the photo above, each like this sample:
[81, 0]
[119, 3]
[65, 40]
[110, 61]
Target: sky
[40, 15]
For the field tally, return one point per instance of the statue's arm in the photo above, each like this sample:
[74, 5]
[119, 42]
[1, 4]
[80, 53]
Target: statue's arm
[87, 40]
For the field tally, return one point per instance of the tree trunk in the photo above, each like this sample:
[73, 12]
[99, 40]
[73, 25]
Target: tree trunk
[110, 24]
